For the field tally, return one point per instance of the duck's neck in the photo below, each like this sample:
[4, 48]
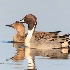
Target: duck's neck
[21, 32]
[29, 37]
[30, 33]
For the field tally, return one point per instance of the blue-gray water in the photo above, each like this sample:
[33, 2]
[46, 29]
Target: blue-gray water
[52, 15]
[59, 61]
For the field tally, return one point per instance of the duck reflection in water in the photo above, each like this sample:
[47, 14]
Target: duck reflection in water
[30, 53]
[54, 54]
[19, 55]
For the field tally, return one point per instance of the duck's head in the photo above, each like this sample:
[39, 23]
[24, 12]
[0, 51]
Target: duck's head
[31, 20]
[17, 25]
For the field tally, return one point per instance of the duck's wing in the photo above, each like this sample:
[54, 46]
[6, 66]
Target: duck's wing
[40, 32]
[45, 35]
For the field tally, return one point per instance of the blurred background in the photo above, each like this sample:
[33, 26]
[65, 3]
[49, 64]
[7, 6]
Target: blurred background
[52, 15]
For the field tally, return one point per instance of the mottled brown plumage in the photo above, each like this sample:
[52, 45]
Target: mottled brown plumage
[41, 38]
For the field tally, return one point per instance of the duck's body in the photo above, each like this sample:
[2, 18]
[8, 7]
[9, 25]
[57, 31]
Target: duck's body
[42, 43]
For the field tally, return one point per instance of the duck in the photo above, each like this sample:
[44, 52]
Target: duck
[42, 43]
[20, 28]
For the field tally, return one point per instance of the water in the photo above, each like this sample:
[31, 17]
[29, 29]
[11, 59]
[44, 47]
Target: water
[21, 58]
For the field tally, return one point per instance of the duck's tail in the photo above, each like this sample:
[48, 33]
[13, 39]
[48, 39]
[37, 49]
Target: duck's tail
[56, 32]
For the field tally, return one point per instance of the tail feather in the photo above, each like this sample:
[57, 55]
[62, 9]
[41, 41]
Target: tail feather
[66, 35]
[56, 32]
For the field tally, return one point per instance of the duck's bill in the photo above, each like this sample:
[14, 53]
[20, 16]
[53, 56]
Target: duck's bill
[9, 25]
[22, 21]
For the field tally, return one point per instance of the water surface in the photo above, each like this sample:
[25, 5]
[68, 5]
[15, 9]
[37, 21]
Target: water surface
[22, 58]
